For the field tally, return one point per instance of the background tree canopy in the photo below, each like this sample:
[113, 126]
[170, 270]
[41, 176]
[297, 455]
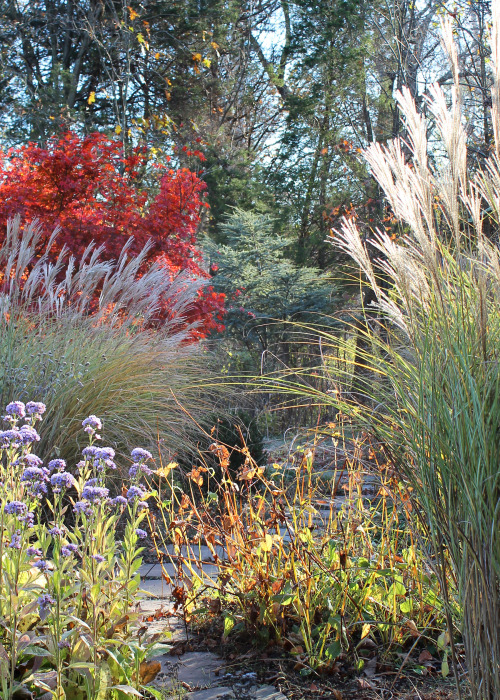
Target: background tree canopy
[269, 103]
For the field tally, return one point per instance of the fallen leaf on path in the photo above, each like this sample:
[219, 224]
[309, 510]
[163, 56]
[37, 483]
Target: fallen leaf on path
[148, 671]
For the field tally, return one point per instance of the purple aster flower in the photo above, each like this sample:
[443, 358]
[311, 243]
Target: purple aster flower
[98, 558]
[28, 434]
[15, 542]
[68, 549]
[138, 467]
[139, 455]
[79, 466]
[34, 552]
[16, 408]
[32, 460]
[141, 533]
[94, 494]
[61, 480]
[89, 452]
[83, 507]
[135, 492]
[57, 465]
[142, 505]
[56, 532]
[104, 456]
[42, 565]
[105, 453]
[63, 644]
[35, 408]
[93, 422]
[34, 474]
[28, 519]
[118, 501]
[91, 482]
[38, 489]
[10, 438]
[16, 508]
[45, 601]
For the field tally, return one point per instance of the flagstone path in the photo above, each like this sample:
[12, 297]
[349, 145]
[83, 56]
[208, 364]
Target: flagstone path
[194, 675]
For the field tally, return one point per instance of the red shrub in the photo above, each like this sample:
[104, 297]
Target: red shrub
[90, 190]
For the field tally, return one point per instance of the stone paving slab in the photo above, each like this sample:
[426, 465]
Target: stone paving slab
[153, 582]
[220, 693]
[196, 668]
[267, 692]
[201, 671]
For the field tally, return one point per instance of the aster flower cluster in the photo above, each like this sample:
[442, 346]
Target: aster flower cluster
[16, 410]
[91, 425]
[94, 494]
[48, 550]
[17, 439]
[61, 481]
[99, 457]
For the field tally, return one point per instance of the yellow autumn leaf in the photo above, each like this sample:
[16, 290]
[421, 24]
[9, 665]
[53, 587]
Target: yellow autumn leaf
[165, 471]
[157, 55]
[207, 62]
[214, 45]
[91, 99]
[132, 13]
[196, 57]
[140, 38]
[267, 543]
[118, 129]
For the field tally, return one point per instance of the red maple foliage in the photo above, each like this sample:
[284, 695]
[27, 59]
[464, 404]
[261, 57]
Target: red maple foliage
[87, 187]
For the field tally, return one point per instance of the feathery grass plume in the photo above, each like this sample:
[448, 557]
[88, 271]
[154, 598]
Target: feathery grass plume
[438, 393]
[432, 372]
[81, 335]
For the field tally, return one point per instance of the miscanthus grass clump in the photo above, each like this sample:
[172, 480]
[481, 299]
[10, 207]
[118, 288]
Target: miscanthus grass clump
[89, 336]
[424, 378]
[67, 584]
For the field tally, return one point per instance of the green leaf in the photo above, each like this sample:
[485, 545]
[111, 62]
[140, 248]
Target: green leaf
[157, 650]
[126, 689]
[283, 598]
[228, 624]
[34, 650]
[445, 669]
[397, 589]
[333, 650]
[443, 640]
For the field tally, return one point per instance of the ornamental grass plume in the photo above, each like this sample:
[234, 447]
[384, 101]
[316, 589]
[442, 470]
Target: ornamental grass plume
[428, 351]
[433, 375]
[83, 336]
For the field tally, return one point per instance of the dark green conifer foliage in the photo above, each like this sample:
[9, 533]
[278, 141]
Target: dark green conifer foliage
[268, 291]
